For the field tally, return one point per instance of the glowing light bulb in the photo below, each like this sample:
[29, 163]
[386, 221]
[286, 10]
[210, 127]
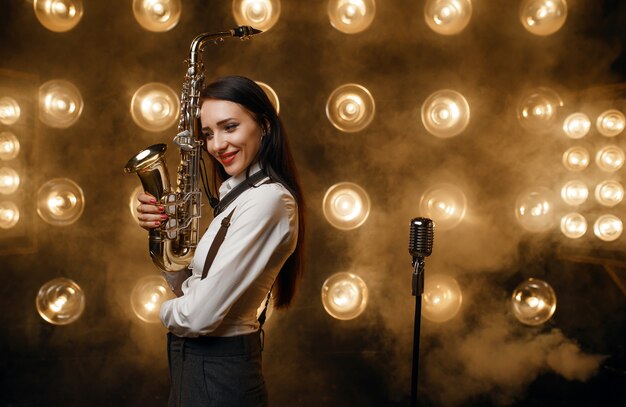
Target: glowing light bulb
[448, 17]
[60, 301]
[573, 225]
[344, 296]
[351, 16]
[147, 296]
[9, 215]
[346, 206]
[445, 204]
[260, 14]
[610, 123]
[60, 103]
[574, 192]
[9, 111]
[535, 209]
[155, 107]
[445, 113]
[538, 109]
[273, 97]
[442, 297]
[533, 302]
[350, 108]
[58, 15]
[60, 202]
[608, 228]
[157, 15]
[9, 180]
[576, 125]
[610, 158]
[543, 17]
[576, 158]
[609, 193]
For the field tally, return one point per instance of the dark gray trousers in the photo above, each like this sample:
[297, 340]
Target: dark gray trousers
[216, 371]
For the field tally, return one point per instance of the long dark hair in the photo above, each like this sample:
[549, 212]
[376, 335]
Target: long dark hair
[275, 158]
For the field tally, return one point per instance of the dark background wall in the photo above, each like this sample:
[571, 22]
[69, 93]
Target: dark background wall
[482, 357]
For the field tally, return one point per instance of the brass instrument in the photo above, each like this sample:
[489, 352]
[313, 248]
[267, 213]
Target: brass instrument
[173, 244]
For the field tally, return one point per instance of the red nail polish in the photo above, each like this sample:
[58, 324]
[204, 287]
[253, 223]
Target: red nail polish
[153, 201]
[164, 216]
[157, 223]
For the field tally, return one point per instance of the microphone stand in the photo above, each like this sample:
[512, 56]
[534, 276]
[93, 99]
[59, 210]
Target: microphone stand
[418, 290]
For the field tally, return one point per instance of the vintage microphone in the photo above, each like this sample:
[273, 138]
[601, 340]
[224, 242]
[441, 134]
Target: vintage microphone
[420, 246]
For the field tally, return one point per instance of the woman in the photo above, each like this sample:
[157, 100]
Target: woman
[215, 343]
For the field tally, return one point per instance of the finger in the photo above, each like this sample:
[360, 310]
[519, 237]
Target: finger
[150, 208]
[146, 198]
[150, 221]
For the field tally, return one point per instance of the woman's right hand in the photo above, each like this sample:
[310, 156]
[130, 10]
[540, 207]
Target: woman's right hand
[150, 214]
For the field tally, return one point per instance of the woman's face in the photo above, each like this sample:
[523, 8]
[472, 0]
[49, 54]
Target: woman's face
[233, 137]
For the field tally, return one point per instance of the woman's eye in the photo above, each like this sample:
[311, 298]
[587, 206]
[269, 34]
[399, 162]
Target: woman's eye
[207, 136]
[230, 127]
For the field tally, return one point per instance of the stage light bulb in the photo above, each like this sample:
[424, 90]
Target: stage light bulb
[60, 103]
[344, 296]
[260, 14]
[445, 113]
[573, 225]
[538, 109]
[610, 123]
[608, 228]
[155, 107]
[351, 16]
[610, 158]
[9, 111]
[9, 146]
[543, 17]
[60, 301]
[157, 15]
[534, 209]
[576, 125]
[147, 296]
[350, 108]
[58, 15]
[9, 215]
[576, 158]
[448, 17]
[574, 192]
[60, 202]
[272, 96]
[533, 302]
[346, 206]
[445, 204]
[9, 180]
[609, 193]
[442, 297]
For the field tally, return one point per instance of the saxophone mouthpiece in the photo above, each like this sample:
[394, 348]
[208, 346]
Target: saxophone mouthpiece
[244, 31]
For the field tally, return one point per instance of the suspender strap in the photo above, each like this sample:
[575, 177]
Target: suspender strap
[235, 192]
[217, 242]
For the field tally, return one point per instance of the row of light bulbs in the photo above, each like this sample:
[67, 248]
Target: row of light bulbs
[445, 17]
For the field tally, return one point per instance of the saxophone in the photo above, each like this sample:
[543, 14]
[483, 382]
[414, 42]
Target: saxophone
[172, 245]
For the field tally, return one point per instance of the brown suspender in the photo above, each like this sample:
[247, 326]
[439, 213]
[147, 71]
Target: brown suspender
[217, 242]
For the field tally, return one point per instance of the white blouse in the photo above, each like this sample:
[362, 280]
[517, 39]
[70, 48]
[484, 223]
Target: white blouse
[263, 233]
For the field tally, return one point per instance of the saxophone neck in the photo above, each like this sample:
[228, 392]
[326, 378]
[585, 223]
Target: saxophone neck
[243, 32]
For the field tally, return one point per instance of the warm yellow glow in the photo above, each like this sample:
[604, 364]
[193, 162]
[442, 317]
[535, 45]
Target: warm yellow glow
[574, 192]
[448, 17]
[60, 202]
[58, 15]
[610, 158]
[351, 16]
[344, 295]
[155, 107]
[60, 103]
[346, 205]
[60, 301]
[576, 125]
[538, 109]
[608, 228]
[157, 15]
[273, 97]
[609, 193]
[445, 204]
[9, 180]
[350, 108]
[576, 158]
[573, 225]
[535, 209]
[442, 297]
[147, 296]
[9, 111]
[445, 113]
[9, 215]
[543, 17]
[260, 14]
[533, 302]
[611, 123]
